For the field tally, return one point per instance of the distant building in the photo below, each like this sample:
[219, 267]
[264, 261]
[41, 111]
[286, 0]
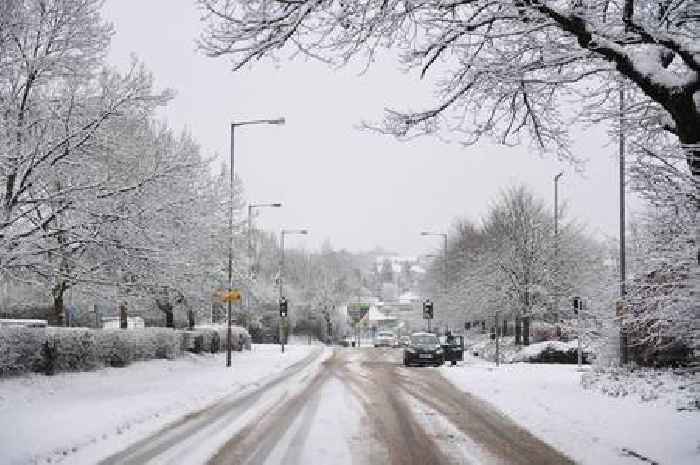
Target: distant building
[132, 322]
[27, 323]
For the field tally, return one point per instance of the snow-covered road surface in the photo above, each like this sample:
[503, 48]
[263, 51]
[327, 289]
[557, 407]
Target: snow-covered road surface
[364, 408]
[315, 405]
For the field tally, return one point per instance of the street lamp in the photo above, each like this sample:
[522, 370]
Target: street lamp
[444, 260]
[250, 229]
[234, 125]
[281, 270]
[556, 244]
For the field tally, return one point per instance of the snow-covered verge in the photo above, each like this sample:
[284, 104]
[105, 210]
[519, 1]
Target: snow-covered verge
[55, 417]
[586, 424]
[676, 388]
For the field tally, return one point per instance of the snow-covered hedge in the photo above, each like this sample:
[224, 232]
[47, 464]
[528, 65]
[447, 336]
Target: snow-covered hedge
[549, 352]
[49, 350]
[70, 349]
[20, 350]
[119, 348]
[24, 350]
[212, 338]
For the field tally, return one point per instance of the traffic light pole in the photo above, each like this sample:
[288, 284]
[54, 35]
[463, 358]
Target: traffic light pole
[282, 319]
[498, 355]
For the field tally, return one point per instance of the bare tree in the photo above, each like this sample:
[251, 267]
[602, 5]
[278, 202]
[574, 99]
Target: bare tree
[507, 67]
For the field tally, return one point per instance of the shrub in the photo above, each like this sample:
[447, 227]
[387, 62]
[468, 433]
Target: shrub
[20, 350]
[167, 341]
[72, 349]
[115, 348]
[550, 352]
[215, 338]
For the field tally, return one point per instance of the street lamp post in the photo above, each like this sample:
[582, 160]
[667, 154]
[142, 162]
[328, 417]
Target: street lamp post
[444, 261]
[281, 273]
[556, 246]
[250, 247]
[234, 125]
[250, 230]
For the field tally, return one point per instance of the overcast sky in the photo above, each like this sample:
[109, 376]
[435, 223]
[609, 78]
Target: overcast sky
[357, 188]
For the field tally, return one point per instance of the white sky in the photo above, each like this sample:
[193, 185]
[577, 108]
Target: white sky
[358, 189]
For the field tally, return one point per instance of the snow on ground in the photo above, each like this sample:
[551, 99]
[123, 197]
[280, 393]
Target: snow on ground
[589, 426]
[55, 417]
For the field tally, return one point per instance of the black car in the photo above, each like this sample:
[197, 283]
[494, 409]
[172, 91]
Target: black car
[424, 349]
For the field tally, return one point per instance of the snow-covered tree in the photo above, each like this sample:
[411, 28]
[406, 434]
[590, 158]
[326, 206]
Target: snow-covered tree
[506, 68]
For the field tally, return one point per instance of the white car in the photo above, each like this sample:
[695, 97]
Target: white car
[385, 339]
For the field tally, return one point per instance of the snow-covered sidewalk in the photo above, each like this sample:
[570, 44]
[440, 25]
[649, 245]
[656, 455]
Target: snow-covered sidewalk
[588, 426]
[50, 418]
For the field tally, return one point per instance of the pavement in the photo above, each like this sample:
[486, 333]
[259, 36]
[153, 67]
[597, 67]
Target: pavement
[352, 406]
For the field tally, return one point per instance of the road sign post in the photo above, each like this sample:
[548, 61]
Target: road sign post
[357, 311]
[229, 297]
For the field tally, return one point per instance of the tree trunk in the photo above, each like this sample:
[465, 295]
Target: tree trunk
[169, 317]
[526, 330]
[124, 316]
[167, 308]
[518, 330]
[504, 332]
[59, 312]
[190, 319]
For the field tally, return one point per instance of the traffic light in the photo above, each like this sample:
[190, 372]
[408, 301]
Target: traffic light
[428, 310]
[283, 307]
[578, 305]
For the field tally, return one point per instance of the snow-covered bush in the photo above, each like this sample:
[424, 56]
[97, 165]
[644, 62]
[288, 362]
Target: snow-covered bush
[167, 342]
[240, 338]
[119, 348]
[115, 347]
[20, 350]
[550, 352]
[71, 349]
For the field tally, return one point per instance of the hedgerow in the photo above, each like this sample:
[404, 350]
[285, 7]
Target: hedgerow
[50, 350]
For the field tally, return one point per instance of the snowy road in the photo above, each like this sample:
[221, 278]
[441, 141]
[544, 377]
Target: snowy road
[358, 407]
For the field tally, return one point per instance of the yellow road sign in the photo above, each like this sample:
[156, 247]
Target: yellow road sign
[233, 296]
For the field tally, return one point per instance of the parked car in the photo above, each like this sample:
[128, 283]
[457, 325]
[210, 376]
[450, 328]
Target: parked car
[453, 347]
[404, 341]
[424, 349]
[385, 339]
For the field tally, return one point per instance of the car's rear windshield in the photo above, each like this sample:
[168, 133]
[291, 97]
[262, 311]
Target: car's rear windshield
[424, 339]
